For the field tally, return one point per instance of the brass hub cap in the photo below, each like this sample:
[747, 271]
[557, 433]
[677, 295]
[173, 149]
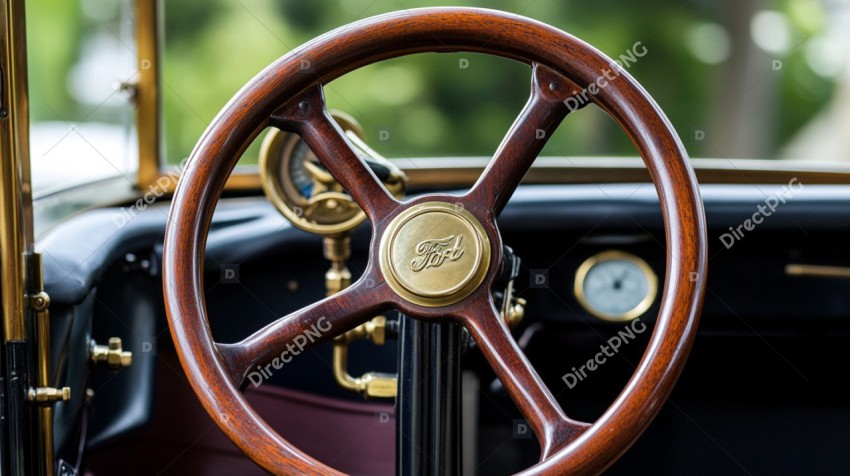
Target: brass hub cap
[435, 254]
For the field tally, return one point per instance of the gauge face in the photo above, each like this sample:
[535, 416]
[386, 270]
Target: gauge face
[616, 286]
[302, 182]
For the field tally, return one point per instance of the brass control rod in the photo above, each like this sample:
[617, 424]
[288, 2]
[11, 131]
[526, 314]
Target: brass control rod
[42, 394]
[337, 250]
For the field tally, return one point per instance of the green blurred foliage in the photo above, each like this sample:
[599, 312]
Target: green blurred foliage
[428, 104]
[60, 35]
[52, 56]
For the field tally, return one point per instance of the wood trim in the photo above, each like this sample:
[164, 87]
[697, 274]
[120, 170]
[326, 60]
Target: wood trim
[433, 173]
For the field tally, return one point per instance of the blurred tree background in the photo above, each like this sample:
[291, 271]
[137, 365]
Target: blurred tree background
[737, 78]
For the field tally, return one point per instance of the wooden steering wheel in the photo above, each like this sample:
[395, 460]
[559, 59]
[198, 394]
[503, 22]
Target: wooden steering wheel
[403, 270]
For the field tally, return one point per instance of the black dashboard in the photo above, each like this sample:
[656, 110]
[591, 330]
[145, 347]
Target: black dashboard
[770, 340]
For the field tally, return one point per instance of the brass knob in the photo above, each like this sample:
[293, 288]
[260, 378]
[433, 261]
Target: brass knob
[113, 354]
[516, 311]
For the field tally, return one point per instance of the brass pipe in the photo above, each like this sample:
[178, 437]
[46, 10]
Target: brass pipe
[16, 233]
[340, 367]
[370, 384]
[22, 281]
[40, 303]
[42, 394]
[11, 248]
[817, 271]
[337, 250]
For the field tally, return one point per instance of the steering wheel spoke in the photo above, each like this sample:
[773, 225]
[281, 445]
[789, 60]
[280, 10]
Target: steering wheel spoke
[553, 428]
[307, 115]
[538, 120]
[271, 347]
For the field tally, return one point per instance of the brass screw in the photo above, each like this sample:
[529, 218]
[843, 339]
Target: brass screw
[40, 301]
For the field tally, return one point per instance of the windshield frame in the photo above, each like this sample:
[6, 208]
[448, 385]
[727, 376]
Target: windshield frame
[150, 28]
[432, 172]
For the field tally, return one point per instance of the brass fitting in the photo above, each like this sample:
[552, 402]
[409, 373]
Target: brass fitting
[370, 384]
[113, 354]
[374, 330]
[377, 385]
[337, 279]
[337, 250]
[48, 395]
[40, 301]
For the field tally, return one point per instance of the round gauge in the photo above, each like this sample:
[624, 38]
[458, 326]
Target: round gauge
[615, 286]
[301, 189]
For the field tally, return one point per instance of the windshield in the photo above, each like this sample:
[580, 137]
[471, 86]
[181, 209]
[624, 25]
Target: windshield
[80, 53]
[738, 79]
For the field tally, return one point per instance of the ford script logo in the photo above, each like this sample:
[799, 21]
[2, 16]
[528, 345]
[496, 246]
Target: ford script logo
[433, 253]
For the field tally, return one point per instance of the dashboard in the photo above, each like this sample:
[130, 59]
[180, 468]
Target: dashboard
[593, 261]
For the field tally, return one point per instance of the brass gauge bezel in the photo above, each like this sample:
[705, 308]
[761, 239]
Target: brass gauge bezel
[276, 154]
[612, 255]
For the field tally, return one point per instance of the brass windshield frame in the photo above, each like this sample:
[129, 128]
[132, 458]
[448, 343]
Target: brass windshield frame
[149, 110]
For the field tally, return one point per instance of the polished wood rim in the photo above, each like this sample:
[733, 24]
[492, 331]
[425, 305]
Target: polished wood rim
[289, 97]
